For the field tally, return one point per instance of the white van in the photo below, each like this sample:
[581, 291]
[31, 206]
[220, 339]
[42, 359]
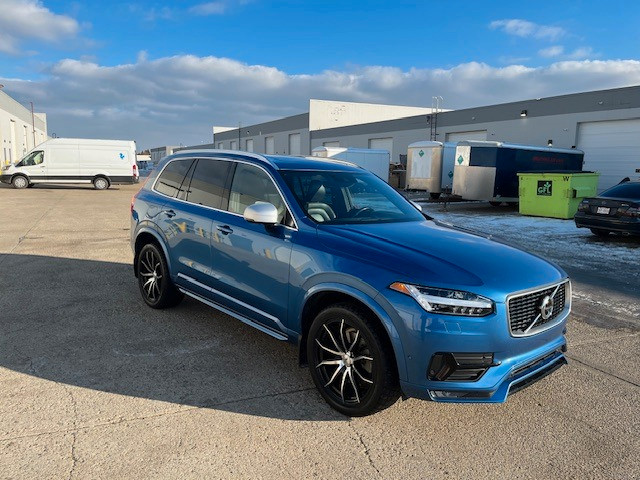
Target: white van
[75, 160]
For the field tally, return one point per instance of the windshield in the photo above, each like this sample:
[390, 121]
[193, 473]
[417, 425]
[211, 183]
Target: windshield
[348, 197]
[629, 190]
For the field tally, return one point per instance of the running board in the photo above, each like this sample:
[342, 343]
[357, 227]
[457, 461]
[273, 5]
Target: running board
[242, 318]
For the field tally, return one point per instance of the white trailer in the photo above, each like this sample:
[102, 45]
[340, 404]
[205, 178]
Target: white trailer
[376, 161]
[430, 167]
[75, 160]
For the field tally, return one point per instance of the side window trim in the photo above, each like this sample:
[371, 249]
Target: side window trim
[189, 175]
[227, 194]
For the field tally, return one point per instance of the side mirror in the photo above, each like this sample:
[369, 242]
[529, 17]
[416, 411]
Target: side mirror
[418, 206]
[261, 212]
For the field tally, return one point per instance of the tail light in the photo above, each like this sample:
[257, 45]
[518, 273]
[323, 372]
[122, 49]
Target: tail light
[633, 212]
[135, 170]
[583, 206]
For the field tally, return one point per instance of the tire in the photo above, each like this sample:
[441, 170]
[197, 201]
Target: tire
[20, 181]
[434, 196]
[100, 183]
[600, 233]
[360, 376]
[156, 287]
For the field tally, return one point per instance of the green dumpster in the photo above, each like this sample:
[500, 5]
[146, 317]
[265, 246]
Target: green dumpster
[556, 194]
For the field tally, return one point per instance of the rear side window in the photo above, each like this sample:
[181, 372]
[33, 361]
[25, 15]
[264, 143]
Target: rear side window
[251, 185]
[172, 177]
[630, 190]
[208, 182]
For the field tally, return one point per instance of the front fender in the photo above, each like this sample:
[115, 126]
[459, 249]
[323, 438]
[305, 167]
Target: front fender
[366, 295]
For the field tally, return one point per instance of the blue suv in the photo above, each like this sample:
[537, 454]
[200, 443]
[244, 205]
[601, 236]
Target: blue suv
[380, 298]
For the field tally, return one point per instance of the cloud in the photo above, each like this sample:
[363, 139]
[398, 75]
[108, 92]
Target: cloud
[23, 20]
[582, 52]
[524, 28]
[173, 100]
[208, 8]
[554, 51]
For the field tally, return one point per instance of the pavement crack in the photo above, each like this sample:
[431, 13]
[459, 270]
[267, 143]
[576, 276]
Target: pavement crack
[367, 452]
[74, 432]
[574, 359]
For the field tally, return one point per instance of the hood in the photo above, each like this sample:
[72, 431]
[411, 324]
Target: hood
[432, 254]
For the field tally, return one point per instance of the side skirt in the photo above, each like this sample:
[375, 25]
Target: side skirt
[242, 318]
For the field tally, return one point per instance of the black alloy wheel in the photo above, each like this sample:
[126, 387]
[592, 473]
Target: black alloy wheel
[351, 365]
[156, 287]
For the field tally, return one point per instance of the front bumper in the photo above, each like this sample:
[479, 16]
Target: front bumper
[614, 224]
[4, 178]
[517, 361]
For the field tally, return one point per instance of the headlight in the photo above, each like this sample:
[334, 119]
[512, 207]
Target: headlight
[447, 302]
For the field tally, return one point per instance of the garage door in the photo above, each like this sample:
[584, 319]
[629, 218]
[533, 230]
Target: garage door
[294, 144]
[611, 148]
[382, 144]
[472, 135]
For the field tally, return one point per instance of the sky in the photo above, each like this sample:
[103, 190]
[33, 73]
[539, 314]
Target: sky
[163, 73]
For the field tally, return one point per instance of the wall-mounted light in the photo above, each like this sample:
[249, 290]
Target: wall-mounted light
[550, 143]
[523, 113]
[473, 118]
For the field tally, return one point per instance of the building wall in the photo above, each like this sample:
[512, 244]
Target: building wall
[17, 129]
[324, 114]
[281, 141]
[158, 153]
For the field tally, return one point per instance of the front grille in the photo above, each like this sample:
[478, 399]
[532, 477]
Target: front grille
[525, 309]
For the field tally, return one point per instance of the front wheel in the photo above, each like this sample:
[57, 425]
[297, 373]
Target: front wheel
[351, 365]
[156, 287]
[20, 181]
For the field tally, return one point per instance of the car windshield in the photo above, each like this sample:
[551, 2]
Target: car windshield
[341, 197]
[630, 190]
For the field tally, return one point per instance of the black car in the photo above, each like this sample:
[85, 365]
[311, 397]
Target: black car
[614, 210]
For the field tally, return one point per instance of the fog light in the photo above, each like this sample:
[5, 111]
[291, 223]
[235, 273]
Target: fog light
[459, 367]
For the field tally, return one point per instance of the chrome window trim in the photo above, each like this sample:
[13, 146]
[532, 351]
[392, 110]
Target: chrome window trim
[547, 326]
[284, 200]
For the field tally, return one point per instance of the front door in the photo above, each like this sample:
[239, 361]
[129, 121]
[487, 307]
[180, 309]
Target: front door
[251, 261]
[34, 165]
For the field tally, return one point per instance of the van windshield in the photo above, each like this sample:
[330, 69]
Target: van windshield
[338, 197]
[34, 158]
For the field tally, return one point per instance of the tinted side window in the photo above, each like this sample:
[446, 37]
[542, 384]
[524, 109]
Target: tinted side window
[208, 181]
[172, 177]
[251, 185]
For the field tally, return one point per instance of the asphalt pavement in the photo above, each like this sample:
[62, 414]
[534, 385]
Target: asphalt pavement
[94, 384]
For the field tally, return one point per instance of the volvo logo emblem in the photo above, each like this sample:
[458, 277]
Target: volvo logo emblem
[546, 307]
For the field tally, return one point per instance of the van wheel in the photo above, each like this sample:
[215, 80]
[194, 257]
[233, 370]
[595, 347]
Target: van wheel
[100, 183]
[20, 181]
[156, 287]
[351, 365]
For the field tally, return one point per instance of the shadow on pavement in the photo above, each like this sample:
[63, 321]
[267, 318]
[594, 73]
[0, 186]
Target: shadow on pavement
[83, 323]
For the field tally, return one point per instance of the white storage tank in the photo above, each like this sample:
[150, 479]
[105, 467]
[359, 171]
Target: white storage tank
[430, 167]
[376, 161]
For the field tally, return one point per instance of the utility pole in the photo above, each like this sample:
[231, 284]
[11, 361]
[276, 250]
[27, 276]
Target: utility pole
[239, 127]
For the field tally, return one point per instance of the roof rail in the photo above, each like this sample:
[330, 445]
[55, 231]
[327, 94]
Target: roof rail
[239, 153]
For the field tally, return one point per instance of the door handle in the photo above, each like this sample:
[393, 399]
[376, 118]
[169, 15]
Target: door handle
[169, 213]
[224, 229]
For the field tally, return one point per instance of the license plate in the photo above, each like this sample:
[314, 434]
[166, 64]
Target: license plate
[603, 210]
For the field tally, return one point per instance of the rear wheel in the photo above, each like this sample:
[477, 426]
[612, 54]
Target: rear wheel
[20, 181]
[100, 183]
[156, 287]
[600, 233]
[350, 363]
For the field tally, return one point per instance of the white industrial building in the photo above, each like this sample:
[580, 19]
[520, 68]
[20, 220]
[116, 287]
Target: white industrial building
[605, 124]
[20, 130]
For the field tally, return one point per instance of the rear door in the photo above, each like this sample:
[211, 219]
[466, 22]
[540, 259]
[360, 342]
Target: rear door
[251, 261]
